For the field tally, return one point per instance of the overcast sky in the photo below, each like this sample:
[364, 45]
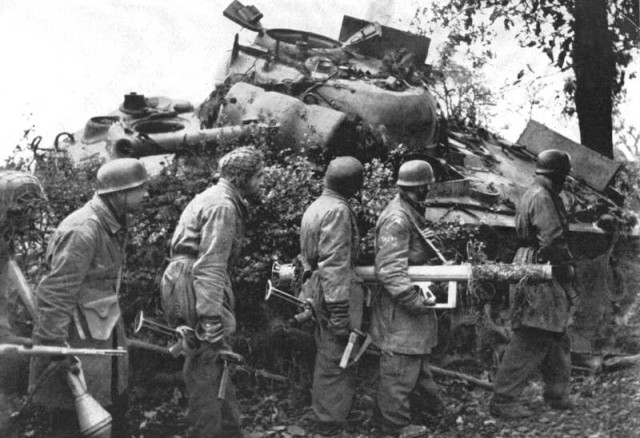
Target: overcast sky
[67, 60]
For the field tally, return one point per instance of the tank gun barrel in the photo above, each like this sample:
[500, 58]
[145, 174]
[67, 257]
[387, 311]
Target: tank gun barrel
[123, 142]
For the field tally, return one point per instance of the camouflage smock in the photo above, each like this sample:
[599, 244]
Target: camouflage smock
[78, 298]
[329, 241]
[399, 245]
[542, 227]
[210, 231]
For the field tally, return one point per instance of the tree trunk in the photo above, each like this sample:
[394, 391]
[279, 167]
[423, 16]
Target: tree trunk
[595, 70]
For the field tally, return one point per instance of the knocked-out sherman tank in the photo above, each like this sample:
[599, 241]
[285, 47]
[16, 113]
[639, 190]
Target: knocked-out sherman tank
[366, 91]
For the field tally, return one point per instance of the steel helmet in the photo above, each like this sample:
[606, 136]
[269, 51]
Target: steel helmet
[415, 173]
[19, 190]
[345, 175]
[553, 161]
[121, 174]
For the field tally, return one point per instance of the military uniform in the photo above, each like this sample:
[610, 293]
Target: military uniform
[402, 325]
[19, 191]
[205, 246]
[540, 311]
[330, 243]
[77, 303]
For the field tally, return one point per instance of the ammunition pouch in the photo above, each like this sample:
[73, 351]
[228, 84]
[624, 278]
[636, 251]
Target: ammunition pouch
[101, 315]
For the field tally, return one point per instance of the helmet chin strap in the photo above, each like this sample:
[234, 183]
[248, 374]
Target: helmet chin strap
[412, 197]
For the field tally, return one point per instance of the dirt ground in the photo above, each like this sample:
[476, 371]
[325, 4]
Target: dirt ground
[608, 405]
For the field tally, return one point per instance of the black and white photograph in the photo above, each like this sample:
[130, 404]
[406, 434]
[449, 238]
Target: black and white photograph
[323, 219]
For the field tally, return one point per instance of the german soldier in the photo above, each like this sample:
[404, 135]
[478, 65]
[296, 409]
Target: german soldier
[329, 241]
[197, 291]
[77, 301]
[540, 312]
[21, 196]
[403, 324]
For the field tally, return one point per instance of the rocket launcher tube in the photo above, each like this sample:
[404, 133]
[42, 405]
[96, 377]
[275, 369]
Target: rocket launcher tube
[495, 271]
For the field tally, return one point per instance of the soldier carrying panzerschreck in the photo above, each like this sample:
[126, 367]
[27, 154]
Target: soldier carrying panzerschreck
[403, 323]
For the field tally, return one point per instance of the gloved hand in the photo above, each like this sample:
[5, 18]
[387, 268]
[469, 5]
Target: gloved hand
[339, 323]
[415, 300]
[607, 223]
[564, 273]
[210, 330]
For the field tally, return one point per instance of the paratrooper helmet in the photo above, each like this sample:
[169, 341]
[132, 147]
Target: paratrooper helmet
[344, 175]
[553, 161]
[121, 174]
[415, 173]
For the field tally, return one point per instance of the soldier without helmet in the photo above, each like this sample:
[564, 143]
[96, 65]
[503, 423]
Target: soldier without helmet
[197, 289]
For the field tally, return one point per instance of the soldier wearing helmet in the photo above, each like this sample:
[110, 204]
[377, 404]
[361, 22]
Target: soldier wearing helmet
[21, 196]
[197, 290]
[540, 311]
[329, 241]
[77, 300]
[403, 322]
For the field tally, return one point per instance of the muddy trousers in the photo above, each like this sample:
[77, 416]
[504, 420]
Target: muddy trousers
[210, 416]
[531, 349]
[406, 385]
[333, 387]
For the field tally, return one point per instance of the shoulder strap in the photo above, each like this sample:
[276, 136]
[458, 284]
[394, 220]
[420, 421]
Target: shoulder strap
[426, 237]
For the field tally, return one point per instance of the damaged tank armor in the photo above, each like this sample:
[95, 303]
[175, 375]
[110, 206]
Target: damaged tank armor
[314, 95]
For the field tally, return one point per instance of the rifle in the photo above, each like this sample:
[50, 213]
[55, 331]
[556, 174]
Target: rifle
[45, 350]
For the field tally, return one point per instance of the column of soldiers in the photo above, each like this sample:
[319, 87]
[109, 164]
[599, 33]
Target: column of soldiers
[77, 301]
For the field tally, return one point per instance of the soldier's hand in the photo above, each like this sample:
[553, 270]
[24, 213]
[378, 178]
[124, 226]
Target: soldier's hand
[210, 330]
[339, 322]
[564, 273]
[429, 297]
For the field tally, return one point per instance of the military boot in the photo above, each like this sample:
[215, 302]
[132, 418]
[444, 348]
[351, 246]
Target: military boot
[324, 429]
[561, 403]
[509, 411]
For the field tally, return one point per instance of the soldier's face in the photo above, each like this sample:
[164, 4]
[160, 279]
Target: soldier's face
[135, 198]
[253, 190]
[418, 194]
